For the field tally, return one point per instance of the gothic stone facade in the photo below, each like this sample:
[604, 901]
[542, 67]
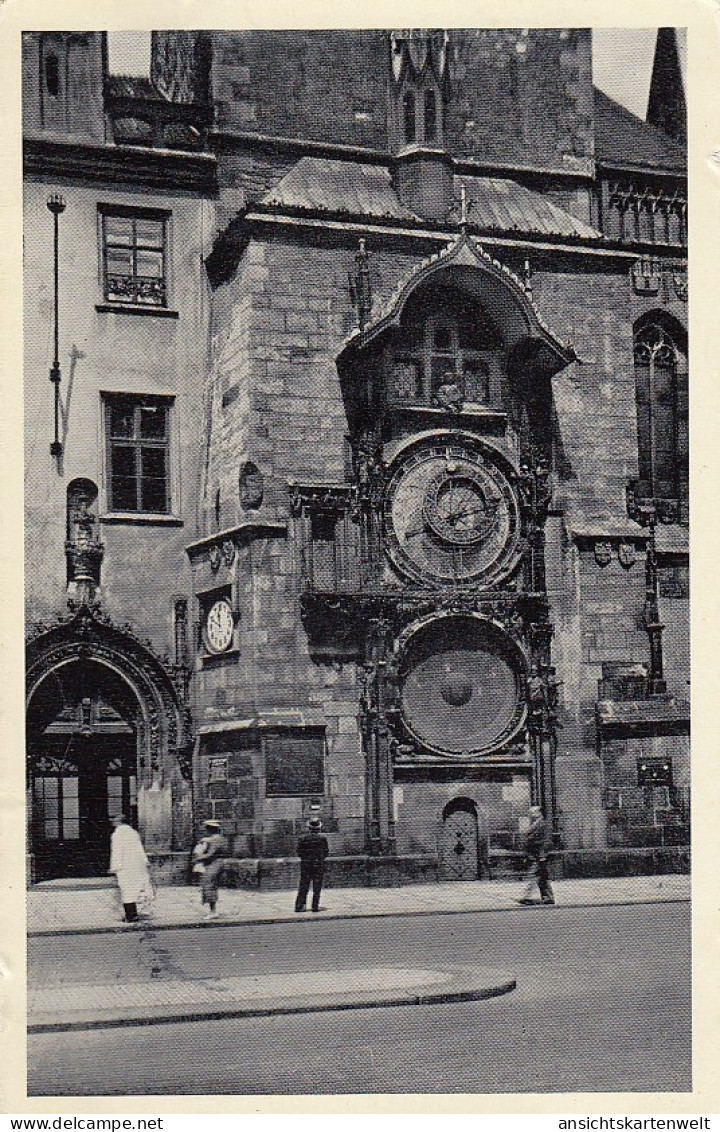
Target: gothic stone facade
[446, 394]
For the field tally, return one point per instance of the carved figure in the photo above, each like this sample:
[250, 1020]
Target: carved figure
[448, 394]
[603, 553]
[536, 691]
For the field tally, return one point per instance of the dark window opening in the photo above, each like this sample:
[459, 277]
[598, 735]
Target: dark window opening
[430, 116]
[409, 128]
[137, 454]
[52, 75]
[324, 565]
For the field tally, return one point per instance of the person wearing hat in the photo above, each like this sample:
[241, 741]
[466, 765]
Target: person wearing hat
[209, 861]
[312, 850]
[536, 848]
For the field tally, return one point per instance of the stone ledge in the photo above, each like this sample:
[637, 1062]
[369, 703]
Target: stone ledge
[282, 873]
[341, 872]
[656, 861]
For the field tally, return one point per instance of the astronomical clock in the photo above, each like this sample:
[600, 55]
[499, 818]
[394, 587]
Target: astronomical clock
[461, 686]
[451, 516]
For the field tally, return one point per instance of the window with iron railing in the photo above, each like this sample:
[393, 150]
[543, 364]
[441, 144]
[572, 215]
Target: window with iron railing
[134, 257]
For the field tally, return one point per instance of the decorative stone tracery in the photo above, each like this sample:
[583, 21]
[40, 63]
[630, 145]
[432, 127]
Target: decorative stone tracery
[157, 687]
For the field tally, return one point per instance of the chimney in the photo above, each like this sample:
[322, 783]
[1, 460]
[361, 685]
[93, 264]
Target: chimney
[423, 179]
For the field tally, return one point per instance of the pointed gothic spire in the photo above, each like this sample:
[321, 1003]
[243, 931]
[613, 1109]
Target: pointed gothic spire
[666, 104]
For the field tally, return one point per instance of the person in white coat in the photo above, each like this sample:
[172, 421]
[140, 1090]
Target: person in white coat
[129, 863]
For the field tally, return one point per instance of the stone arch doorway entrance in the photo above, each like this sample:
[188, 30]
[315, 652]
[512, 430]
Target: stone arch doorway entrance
[107, 731]
[462, 856]
[82, 768]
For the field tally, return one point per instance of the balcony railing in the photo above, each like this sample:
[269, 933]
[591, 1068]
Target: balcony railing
[158, 124]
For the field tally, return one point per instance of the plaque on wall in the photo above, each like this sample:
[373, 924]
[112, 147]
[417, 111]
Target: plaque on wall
[294, 765]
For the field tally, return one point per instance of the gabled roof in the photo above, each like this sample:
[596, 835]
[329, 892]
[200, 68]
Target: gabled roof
[352, 189]
[499, 289]
[623, 139]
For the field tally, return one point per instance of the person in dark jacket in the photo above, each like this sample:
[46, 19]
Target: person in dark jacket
[536, 847]
[312, 850]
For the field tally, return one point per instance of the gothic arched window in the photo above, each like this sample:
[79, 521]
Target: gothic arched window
[430, 116]
[444, 337]
[409, 127]
[421, 113]
[661, 393]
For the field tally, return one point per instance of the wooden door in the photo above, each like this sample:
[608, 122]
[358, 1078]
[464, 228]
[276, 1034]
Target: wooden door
[459, 846]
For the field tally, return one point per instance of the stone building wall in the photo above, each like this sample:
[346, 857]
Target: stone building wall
[503, 76]
[334, 85]
[280, 324]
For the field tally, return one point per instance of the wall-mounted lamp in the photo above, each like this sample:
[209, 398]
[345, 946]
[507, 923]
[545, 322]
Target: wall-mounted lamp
[56, 205]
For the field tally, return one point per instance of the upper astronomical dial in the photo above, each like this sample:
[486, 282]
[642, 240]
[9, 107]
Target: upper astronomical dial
[451, 513]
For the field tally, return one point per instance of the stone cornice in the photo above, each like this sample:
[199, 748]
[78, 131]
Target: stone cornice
[170, 171]
[652, 171]
[365, 226]
[251, 528]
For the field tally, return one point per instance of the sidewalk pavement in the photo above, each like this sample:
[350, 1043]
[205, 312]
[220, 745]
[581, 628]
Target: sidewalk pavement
[81, 1006]
[88, 907]
[60, 907]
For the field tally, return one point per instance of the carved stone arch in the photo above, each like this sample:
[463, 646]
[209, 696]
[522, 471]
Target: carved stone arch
[672, 327]
[162, 716]
[460, 802]
[497, 289]
[108, 730]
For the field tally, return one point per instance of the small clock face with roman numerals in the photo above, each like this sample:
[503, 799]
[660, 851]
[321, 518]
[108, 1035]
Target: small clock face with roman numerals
[451, 514]
[219, 626]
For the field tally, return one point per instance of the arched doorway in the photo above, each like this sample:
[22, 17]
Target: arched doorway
[82, 767]
[107, 732]
[461, 855]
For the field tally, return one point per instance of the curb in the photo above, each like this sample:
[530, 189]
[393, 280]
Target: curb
[149, 924]
[478, 985]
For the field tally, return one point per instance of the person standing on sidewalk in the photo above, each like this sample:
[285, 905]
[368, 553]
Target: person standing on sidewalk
[312, 850]
[209, 859]
[537, 844]
[129, 863]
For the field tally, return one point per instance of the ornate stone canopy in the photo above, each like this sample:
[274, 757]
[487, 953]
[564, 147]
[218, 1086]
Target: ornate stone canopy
[151, 691]
[502, 295]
